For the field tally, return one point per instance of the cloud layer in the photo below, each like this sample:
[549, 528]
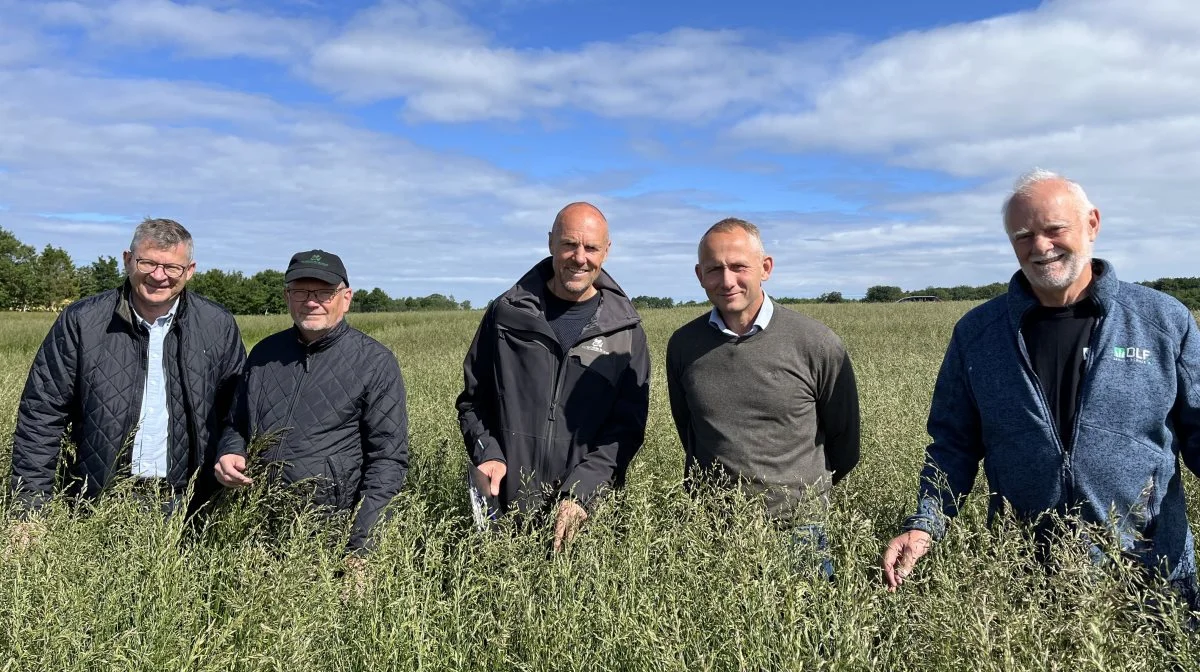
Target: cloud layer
[1104, 92]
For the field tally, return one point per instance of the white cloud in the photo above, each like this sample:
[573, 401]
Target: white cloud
[196, 29]
[1066, 65]
[446, 69]
[1100, 91]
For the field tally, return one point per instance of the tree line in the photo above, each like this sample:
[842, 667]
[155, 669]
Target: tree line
[49, 280]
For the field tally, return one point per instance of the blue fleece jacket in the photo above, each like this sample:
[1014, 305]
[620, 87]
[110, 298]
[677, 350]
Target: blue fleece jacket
[1137, 415]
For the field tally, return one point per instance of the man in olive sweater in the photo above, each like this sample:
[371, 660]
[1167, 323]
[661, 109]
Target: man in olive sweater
[761, 396]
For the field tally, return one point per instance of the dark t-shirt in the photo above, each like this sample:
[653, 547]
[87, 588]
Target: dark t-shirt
[568, 318]
[1057, 341]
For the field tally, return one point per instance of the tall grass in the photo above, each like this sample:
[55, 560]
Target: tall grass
[658, 580]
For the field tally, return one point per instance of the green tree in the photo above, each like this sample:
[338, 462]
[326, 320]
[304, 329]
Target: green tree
[831, 297]
[264, 293]
[57, 283]
[883, 294]
[374, 301]
[17, 272]
[99, 276]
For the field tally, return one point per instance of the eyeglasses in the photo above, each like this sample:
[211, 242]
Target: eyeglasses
[148, 266]
[305, 295]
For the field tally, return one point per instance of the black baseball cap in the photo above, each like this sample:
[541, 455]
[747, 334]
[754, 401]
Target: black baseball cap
[317, 264]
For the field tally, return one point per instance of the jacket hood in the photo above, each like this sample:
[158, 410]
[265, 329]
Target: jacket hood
[529, 294]
[1104, 289]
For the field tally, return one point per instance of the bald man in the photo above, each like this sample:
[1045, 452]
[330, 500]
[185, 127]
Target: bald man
[556, 382]
[1078, 392]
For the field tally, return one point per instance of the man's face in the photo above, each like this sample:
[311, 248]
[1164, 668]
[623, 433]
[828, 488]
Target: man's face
[731, 271]
[317, 306]
[1052, 239]
[578, 248]
[150, 270]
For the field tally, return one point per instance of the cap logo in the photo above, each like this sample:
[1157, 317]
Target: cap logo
[316, 260]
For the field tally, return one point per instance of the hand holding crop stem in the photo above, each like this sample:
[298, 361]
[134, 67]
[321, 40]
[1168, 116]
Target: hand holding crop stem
[902, 555]
[495, 471]
[231, 471]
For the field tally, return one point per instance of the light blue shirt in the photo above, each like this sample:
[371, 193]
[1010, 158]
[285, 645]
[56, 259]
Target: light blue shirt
[760, 321]
[153, 431]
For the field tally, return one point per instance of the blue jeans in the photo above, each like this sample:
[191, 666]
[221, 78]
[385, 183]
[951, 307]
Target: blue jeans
[809, 546]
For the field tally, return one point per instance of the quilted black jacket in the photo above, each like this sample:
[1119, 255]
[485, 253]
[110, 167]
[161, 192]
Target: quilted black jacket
[89, 375]
[335, 412]
[566, 418]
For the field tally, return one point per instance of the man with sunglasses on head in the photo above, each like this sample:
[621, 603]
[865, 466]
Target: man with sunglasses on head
[138, 378]
[328, 398]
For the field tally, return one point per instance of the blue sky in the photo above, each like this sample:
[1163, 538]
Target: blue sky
[431, 142]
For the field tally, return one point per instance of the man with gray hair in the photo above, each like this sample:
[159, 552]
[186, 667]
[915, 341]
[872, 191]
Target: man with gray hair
[138, 379]
[1078, 392]
[762, 396]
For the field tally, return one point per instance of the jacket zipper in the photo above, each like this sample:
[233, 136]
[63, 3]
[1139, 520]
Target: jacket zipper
[124, 459]
[1065, 476]
[1068, 471]
[295, 395]
[1084, 384]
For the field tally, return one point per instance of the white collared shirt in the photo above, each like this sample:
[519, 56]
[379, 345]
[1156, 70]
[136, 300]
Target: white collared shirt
[760, 321]
[149, 459]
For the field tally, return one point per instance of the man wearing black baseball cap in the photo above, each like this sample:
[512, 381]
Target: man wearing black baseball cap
[330, 397]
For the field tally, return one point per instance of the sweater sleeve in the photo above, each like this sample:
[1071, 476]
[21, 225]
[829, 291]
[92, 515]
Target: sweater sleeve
[838, 413]
[680, 412]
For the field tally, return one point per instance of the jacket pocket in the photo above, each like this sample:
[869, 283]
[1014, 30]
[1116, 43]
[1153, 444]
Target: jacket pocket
[344, 474]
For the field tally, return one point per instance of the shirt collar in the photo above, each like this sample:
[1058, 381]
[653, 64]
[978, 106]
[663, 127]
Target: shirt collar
[760, 321]
[165, 319]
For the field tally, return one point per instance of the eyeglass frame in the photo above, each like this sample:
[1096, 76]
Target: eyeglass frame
[313, 294]
[154, 266]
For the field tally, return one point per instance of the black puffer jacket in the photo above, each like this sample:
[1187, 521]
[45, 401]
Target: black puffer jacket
[566, 418]
[335, 411]
[90, 373]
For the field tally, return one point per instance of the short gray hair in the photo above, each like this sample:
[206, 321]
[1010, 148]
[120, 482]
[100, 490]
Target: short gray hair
[729, 225]
[1023, 189]
[161, 234]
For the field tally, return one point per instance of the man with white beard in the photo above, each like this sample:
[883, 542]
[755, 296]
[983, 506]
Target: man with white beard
[1080, 394]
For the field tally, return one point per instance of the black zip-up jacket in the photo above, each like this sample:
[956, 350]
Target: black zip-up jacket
[567, 419]
[89, 374]
[335, 409]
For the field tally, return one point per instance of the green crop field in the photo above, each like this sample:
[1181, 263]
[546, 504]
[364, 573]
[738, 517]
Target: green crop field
[657, 581]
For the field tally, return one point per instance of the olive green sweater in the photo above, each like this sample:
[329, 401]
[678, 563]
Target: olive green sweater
[776, 410]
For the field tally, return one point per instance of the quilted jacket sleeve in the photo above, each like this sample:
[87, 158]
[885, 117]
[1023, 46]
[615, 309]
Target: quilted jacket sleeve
[385, 447]
[236, 433]
[43, 413]
[614, 448]
[476, 403]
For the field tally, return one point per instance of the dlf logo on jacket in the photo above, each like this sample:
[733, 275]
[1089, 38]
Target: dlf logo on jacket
[1134, 354]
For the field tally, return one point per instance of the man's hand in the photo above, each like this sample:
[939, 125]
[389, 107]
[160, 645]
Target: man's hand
[902, 555]
[355, 577]
[25, 533]
[495, 471]
[231, 471]
[570, 516]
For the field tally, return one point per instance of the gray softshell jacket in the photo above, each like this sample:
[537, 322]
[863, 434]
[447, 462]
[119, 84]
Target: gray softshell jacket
[567, 418]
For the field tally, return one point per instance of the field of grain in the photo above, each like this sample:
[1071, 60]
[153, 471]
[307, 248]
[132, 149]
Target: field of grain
[657, 581]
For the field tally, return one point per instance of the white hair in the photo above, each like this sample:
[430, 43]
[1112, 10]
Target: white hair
[1023, 189]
